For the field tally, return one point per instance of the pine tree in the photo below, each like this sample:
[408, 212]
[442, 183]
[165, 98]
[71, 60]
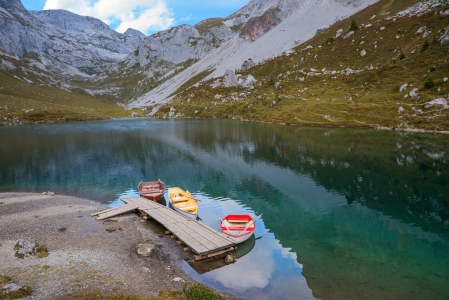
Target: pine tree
[353, 25]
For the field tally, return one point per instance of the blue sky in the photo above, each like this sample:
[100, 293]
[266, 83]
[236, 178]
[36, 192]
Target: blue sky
[148, 16]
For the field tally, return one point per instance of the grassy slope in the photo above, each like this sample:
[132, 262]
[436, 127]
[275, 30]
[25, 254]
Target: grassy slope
[374, 93]
[50, 102]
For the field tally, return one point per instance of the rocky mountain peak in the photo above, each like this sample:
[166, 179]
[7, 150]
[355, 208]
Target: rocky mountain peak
[12, 3]
[135, 33]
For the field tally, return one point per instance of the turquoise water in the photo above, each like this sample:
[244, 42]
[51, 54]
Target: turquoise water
[347, 213]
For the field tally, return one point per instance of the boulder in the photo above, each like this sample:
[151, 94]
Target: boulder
[403, 87]
[230, 259]
[216, 83]
[247, 64]
[250, 81]
[339, 31]
[436, 102]
[421, 30]
[230, 79]
[12, 287]
[348, 34]
[145, 249]
[414, 93]
[24, 248]
[363, 53]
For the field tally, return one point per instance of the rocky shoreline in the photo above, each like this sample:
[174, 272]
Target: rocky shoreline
[85, 255]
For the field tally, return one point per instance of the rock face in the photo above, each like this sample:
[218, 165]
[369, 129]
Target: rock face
[83, 42]
[179, 44]
[445, 37]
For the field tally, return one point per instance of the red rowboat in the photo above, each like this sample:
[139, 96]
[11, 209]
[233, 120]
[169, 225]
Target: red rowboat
[153, 190]
[238, 227]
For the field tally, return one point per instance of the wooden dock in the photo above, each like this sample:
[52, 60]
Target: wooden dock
[202, 240]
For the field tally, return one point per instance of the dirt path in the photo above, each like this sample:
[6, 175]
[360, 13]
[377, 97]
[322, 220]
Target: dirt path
[85, 254]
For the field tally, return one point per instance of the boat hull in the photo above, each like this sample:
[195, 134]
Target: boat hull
[153, 190]
[153, 198]
[241, 239]
[238, 228]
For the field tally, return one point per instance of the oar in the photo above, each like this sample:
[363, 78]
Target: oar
[222, 222]
[252, 222]
[190, 197]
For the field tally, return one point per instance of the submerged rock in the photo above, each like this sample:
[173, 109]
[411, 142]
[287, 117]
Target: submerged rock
[230, 259]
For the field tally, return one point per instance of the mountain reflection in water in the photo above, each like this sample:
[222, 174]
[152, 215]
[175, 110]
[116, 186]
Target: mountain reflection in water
[347, 214]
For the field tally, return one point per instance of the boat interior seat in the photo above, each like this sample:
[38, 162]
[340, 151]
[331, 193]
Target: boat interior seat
[235, 224]
[180, 200]
[188, 207]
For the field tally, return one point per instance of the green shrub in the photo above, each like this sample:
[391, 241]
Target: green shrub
[353, 25]
[199, 291]
[329, 40]
[41, 251]
[432, 69]
[20, 293]
[429, 83]
[272, 80]
[425, 46]
[402, 56]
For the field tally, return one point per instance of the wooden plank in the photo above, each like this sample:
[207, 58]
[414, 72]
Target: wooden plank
[186, 249]
[126, 200]
[192, 234]
[173, 237]
[200, 238]
[188, 240]
[104, 211]
[216, 232]
[200, 257]
[173, 215]
[196, 245]
[120, 210]
[179, 242]
[209, 235]
[158, 217]
[197, 234]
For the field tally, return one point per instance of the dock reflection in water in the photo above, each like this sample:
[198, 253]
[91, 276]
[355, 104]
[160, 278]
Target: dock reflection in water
[207, 265]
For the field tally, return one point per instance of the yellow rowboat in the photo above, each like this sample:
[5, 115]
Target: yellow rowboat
[183, 202]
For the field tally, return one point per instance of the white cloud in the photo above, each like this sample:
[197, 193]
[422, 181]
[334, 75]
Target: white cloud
[143, 15]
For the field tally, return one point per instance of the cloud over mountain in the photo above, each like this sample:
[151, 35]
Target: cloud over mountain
[143, 15]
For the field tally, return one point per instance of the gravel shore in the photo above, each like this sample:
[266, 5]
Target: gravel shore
[85, 254]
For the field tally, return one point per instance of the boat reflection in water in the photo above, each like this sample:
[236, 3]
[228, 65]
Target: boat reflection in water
[207, 265]
[162, 201]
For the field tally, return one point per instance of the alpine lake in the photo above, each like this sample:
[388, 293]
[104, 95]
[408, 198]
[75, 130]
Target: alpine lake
[347, 213]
